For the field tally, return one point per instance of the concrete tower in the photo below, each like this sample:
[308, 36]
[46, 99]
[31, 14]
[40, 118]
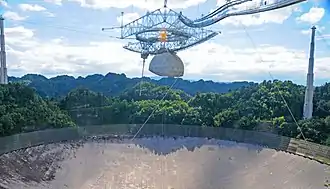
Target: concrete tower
[3, 66]
[308, 105]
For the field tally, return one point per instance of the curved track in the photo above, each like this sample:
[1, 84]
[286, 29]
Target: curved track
[187, 163]
[227, 10]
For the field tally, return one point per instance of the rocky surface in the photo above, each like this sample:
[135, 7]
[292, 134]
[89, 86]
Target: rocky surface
[181, 163]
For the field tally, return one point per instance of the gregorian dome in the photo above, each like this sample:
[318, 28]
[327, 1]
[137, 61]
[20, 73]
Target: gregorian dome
[167, 64]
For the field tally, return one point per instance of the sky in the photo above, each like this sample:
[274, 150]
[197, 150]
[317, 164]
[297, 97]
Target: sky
[64, 37]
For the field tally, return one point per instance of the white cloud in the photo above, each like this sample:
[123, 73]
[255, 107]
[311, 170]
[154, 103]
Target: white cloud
[49, 14]
[30, 7]
[147, 4]
[17, 36]
[242, 31]
[13, 16]
[56, 2]
[309, 31]
[27, 54]
[306, 32]
[128, 17]
[4, 4]
[313, 16]
[35, 8]
[58, 40]
[276, 16]
[18, 32]
[324, 36]
[243, 63]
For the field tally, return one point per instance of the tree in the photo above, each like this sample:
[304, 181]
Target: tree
[253, 107]
[150, 91]
[247, 122]
[314, 130]
[22, 110]
[226, 118]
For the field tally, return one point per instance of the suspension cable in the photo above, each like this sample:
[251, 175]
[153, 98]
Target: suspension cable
[286, 104]
[152, 113]
[278, 90]
[142, 75]
[71, 29]
[323, 39]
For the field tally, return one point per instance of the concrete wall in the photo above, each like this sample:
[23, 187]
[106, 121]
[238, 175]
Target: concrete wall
[299, 147]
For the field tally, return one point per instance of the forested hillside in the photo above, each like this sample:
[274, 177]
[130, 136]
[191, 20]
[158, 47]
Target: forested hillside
[114, 84]
[21, 110]
[256, 107]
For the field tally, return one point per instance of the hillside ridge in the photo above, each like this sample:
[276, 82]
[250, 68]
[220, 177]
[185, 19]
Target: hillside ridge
[113, 84]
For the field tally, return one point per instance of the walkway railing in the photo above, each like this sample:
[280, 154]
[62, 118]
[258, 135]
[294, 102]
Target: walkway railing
[307, 149]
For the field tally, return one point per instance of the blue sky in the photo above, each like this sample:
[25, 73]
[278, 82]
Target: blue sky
[56, 37]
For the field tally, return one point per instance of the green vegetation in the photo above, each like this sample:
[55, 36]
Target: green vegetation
[22, 110]
[115, 84]
[252, 107]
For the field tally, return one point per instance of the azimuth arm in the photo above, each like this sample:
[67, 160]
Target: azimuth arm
[212, 20]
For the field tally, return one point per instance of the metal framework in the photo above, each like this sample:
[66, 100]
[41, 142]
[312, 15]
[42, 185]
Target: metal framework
[165, 30]
[148, 30]
[229, 9]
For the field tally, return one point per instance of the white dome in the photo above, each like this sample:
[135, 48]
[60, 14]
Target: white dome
[167, 64]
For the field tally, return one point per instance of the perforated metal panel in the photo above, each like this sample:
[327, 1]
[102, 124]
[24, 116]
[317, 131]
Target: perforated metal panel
[167, 64]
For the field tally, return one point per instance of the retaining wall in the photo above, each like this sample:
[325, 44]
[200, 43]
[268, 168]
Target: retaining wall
[299, 147]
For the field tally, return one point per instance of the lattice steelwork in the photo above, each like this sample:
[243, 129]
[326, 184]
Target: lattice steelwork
[161, 31]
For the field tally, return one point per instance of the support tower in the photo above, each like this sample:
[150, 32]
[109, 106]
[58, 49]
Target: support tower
[308, 105]
[3, 66]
